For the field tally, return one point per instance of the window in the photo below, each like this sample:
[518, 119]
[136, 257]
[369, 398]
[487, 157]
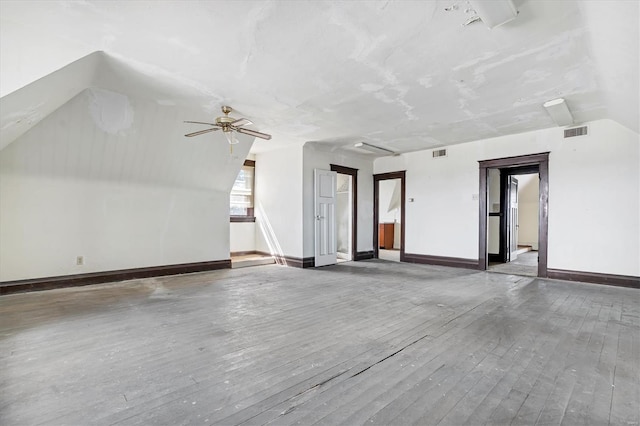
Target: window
[241, 199]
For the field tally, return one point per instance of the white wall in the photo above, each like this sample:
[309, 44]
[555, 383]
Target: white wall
[278, 201]
[114, 180]
[528, 208]
[594, 217]
[317, 157]
[385, 192]
[242, 236]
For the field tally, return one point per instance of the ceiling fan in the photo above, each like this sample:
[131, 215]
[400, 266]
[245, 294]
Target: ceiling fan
[229, 125]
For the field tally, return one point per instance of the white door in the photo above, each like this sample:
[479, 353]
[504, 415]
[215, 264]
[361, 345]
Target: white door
[325, 217]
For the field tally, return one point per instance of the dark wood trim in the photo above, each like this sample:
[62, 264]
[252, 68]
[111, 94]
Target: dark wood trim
[295, 262]
[595, 278]
[308, 262]
[364, 255]
[249, 163]
[238, 219]
[514, 165]
[344, 170]
[455, 262]
[354, 207]
[403, 187]
[35, 284]
[517, 161]
[495, 257]
[390, 175]
[523, 170]
[505, 215]
[244, 253]
[402, 175]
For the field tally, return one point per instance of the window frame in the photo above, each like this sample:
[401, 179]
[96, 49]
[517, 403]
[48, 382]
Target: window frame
[249, 217]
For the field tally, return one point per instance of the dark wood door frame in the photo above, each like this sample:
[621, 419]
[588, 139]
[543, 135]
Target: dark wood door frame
[376, 206]
[508, 165]
[354, 206]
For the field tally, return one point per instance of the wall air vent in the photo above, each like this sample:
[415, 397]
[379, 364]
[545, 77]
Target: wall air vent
[576, 131]
[439, 153]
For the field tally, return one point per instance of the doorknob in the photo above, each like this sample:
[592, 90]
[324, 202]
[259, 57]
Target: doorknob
[319, 217]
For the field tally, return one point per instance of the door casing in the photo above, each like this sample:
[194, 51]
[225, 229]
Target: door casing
[516, 165]
[376, 203]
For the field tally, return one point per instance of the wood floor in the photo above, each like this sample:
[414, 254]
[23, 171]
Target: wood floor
[369, 342]
[526, 264]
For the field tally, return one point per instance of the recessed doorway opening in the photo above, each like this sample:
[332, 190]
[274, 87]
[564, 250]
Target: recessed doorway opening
[512, 226]
[344, 219]
[389, 216]
[499, 220]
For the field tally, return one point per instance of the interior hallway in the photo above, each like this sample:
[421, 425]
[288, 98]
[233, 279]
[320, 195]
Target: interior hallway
[362, 342]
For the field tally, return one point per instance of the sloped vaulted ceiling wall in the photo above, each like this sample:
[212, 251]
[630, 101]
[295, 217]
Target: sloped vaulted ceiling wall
[24, 108]
[110, 177]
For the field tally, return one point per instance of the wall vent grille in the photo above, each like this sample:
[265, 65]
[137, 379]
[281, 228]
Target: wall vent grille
[576, 131]
[439, 153]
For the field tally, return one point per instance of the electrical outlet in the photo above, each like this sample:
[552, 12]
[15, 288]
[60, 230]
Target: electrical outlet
[80, 260]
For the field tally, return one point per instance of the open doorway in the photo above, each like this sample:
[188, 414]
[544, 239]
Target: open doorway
[499, 213]
[512, 226]
[344, 218]
[346, 208]
[389, 216]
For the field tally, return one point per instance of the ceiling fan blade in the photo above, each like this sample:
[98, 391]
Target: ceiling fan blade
[241, 122]
[201, 132]
[254, 133]
[200, 122]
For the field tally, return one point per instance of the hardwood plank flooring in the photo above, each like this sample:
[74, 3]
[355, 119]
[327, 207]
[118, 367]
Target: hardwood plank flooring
[370, 342]
[526, 264]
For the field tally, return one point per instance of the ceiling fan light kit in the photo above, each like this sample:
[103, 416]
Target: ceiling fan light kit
[231, 138]
[229, 126]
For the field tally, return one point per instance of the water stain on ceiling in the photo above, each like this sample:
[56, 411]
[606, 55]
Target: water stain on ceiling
[401, 74]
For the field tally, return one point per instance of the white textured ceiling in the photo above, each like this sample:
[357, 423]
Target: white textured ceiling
[405, 75]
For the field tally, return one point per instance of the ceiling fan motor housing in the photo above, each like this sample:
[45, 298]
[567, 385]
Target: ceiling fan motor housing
[226, 120]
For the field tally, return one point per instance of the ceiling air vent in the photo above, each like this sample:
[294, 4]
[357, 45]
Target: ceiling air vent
[576, 131]
[439, 153]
